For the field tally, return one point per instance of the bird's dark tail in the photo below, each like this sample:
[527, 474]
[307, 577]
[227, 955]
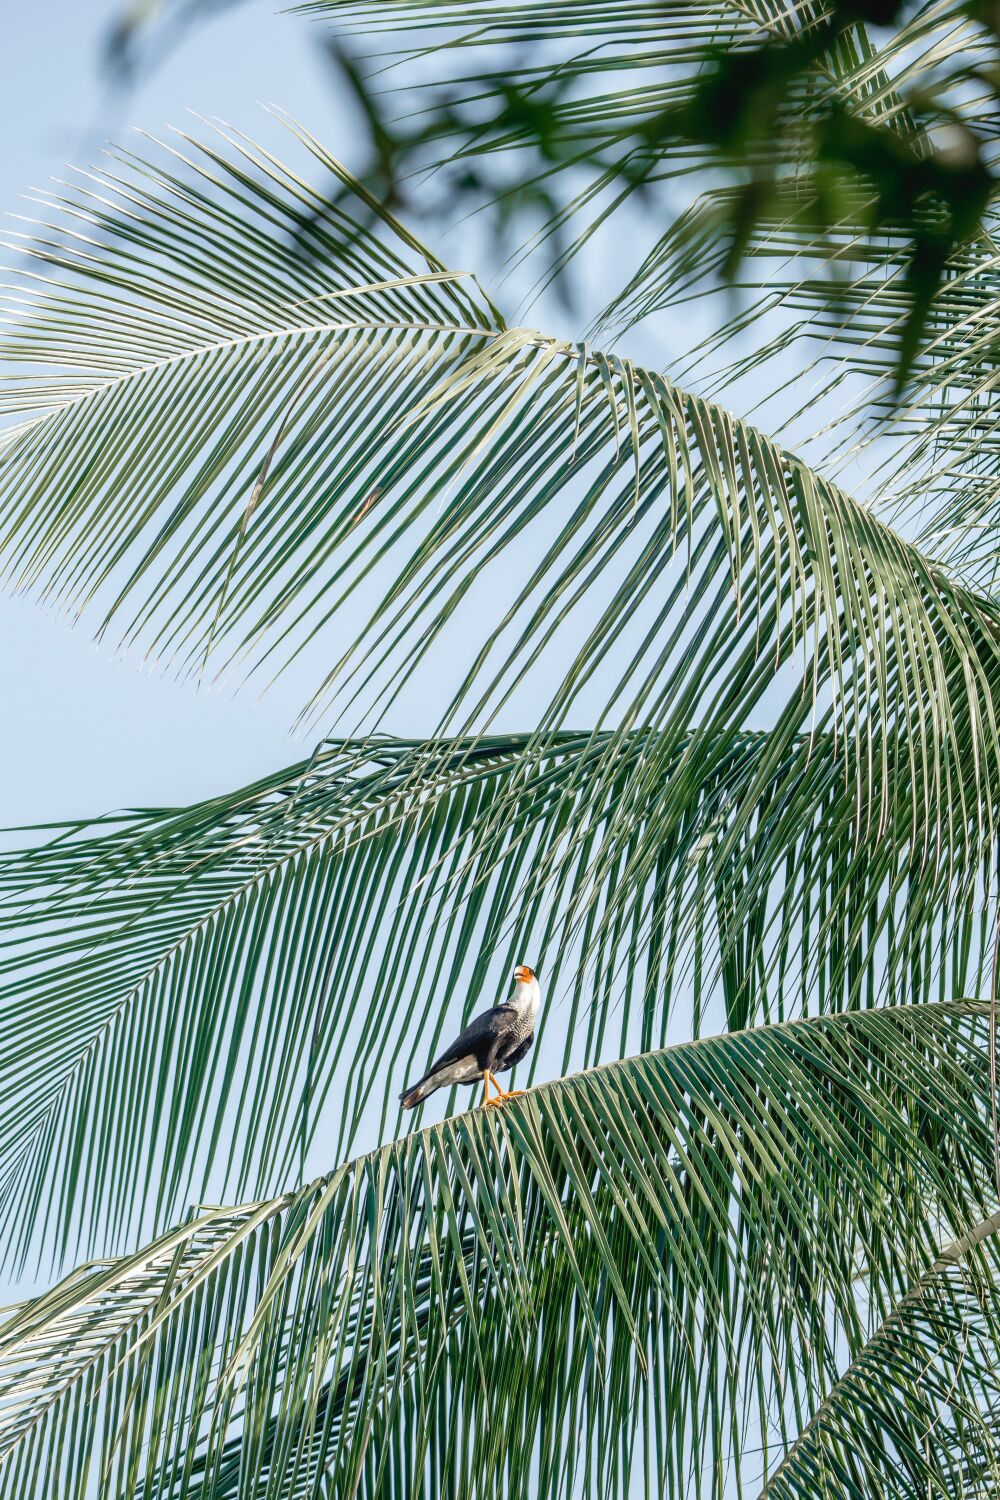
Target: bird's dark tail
[412, 1096]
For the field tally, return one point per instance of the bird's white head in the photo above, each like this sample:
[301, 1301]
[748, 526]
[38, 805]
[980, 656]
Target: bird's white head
[527, 994]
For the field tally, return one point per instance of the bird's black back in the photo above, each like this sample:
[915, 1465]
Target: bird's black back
[480, 1034]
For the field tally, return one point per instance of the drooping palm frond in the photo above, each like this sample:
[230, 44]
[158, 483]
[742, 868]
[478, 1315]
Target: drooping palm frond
[262, 513]
[840, 299]
[171, 322]
[207, 982]
[700, 1229]
[938, 56]
[860, 299]
[915, 1413]
[939, 478]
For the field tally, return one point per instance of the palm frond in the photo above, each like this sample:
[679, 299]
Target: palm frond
[206, 982]
[700, 1228]
[915, 1413]
[247, 525]
[594, 95]
[654, 56]
[938, 480]
[823, 274]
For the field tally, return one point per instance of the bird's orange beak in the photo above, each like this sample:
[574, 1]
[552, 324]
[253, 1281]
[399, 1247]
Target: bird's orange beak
[520, 973]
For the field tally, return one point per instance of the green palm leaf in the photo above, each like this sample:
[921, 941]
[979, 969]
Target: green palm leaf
[695, 1225]
[915, 1412]
[205, 982]
[807, 248]
[596, 96]
[937, 478]
[272, 502]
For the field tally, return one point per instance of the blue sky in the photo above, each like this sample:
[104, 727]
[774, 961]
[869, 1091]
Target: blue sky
[86, 732]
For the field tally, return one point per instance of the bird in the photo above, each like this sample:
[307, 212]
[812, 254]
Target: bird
[490, 1044]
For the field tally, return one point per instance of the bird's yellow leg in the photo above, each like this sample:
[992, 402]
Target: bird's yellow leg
[503, 1093]
[487, 1101]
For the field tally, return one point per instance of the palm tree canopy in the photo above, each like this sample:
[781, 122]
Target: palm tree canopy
[248, 420]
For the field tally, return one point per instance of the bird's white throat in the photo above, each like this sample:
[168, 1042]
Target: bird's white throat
[527, 998]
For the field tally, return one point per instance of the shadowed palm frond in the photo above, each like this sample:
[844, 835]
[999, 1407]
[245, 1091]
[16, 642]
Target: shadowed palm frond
[598, 98]
[936, 477]
[707, 1224]
[588, 90]
[548, 56]
[842, 305]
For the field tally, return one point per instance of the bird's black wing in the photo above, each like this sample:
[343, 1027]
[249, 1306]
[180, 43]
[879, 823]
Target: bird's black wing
[512, 1058]
[479, 1033]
